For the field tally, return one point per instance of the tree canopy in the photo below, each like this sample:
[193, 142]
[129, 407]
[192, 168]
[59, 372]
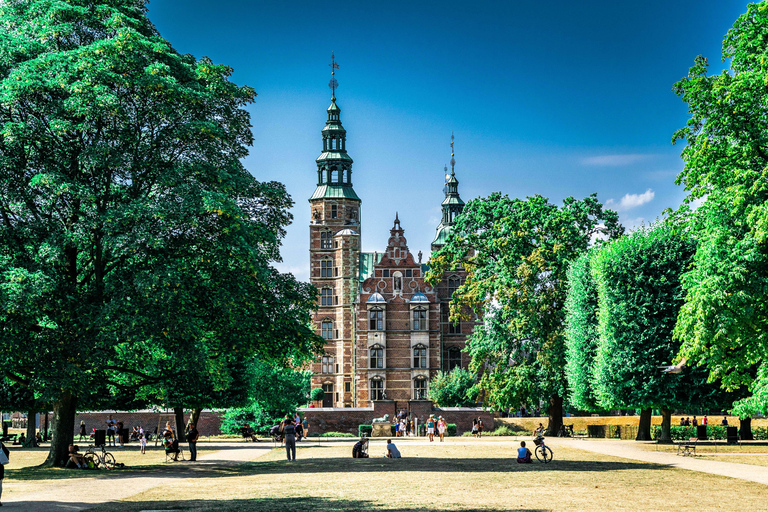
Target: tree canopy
[724, 321]
[516, 253]
[134, 245]
[453, 389]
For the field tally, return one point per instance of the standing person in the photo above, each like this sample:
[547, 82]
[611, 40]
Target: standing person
[83, 435]
[704, 420]
[431, 428]
[725, 421]
[2, 468]
[110, 431]
[695, 422]
[289, 436]
[408, 424]
[479, 427]
[120, 433]
[143, 443]
[441, 428]
[474, 427]
[192, 437]
[305, 426]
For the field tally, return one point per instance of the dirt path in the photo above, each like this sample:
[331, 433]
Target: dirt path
[630, 450]
[82, 493]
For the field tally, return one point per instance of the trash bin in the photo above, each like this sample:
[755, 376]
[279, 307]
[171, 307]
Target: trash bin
[701, 432]
[124, 436]
[100, 438]
[732, 435]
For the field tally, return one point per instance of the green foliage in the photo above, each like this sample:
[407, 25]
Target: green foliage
[516, 253]
[366, 430]
[316, 394]
[260, 420]
[640, 294]
[679, 433]
[724, 321]
[453, 389]
[581, 333]
[337, 434]
[135, 248]
[450, 429]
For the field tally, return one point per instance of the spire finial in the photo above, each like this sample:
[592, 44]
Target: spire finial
[333, 84]
[453, 160]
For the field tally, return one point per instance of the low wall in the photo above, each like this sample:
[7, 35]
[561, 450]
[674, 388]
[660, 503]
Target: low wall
[581, 422]
[209, 423]
[347, 419]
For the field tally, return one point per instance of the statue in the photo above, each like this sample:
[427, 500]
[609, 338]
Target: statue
[384, 419]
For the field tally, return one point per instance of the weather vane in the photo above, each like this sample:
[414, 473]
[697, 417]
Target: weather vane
[333, 84]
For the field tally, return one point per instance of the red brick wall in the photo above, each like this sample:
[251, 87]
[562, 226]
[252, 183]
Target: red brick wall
[209, 423]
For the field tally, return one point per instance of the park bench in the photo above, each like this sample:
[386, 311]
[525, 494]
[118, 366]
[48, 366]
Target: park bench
[687, 448]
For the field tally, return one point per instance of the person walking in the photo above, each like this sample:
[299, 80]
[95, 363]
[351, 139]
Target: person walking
[474, 427]
[305, 426]
[289, 436]
[431, 428]
[6, 457]
[479, 427]
[143, 443]
[441, 426]
[110, 431]
[192, 436]
[83, 435]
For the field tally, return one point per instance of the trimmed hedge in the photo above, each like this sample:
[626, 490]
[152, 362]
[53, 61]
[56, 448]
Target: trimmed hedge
[337, 434]
[678, 433]
[450, 429]
[366, 430]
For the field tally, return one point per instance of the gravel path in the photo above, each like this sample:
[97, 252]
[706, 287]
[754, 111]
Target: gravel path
[82, 493]
[630, 450]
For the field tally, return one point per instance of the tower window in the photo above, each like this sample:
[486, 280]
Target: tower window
[334, 209]
[326, 268]
[327, 329]
[326, 297]
[327, 364]
[377, 356]
[376, 320]
[420, 389]
[325, 240]
[419, 356]
[454, 358]
[453, 285]
[420, 319]
[377, 389]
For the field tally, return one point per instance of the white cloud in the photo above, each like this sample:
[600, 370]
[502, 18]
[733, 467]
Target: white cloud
[614, 160]
[630, 201]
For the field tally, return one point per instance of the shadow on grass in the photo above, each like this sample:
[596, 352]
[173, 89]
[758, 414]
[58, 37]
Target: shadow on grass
[273, 504]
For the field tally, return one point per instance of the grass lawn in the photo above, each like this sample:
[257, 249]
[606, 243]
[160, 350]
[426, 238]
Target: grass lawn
[457, 475]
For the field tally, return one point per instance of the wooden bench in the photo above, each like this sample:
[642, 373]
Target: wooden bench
[8, 437]
[687, 448]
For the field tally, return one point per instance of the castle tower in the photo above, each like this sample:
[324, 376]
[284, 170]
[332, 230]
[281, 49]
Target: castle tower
[334, 255]
[452, 205]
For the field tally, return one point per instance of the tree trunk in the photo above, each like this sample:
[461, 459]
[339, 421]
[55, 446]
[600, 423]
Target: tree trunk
[745, 429]
[31, 443]
[644, 427]
[180, 425]
[555, 415]
[64, 410]
[45, 431]
[666, 424]
[195, 417]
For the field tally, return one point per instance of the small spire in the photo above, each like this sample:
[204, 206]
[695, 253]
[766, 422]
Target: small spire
[333, 84]
[453, 160]
[397, 219]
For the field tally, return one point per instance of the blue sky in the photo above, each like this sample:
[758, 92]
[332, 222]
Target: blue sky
[557, 98]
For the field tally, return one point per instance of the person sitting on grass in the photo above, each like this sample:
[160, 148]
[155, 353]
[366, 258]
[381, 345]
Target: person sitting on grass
[392, 451]
[76, 459]
[249, 433]
[523, 454]
[171, 445]
[359, 450]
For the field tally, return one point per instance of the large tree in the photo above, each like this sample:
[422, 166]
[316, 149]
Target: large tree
[516, 253]
[724, 321]
[639, 296]
[134, 245]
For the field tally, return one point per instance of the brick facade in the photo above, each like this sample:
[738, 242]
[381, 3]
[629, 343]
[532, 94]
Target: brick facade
[209, 423]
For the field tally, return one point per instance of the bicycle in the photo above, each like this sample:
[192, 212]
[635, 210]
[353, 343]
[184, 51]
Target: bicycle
[543, 452]
[106, 459]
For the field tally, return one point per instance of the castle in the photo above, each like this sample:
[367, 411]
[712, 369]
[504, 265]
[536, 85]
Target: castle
[386, 331]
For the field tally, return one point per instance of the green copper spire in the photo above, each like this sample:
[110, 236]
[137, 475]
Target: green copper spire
[334, 165]
[452, 204]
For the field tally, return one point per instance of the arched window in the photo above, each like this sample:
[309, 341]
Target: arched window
[377, 388]
[377, 356]
[420, 319]
[420, 388]
[327, 364]
[376, 320]
[326, 268]
[454, 358]
[420, 356]
[326, 240]
[327, 329]
[334, 178]
[453, 285]
[326, 297]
